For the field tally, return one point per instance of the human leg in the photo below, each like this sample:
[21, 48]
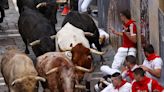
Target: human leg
[80, 2]
[119, 58]
[85, 5]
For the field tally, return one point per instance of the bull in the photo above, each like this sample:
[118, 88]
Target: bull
[59, 71]
[46, 7]
[19, 72]
[84, 22]
[72, 38]
[69, 36]
[67, 39]
[33, 26]
[22, 3]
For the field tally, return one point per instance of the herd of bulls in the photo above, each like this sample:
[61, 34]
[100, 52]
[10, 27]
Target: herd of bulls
[63, 57]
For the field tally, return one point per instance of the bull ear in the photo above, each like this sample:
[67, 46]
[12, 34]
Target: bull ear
[40, 79]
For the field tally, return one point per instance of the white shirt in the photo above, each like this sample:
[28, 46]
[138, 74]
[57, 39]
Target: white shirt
[153, 64]
[125, 88]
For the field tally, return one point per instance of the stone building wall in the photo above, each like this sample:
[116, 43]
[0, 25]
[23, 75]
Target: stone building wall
[161, 4]
[154, 23]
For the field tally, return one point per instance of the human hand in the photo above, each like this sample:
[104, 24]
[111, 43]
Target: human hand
[124, 68]
[144, 68]
[112, 29]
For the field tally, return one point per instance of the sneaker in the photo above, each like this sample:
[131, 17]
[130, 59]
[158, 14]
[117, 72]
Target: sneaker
[65, 11]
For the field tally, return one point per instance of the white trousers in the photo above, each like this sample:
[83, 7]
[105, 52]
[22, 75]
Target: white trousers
[97, 89]
[109, 88]
[120, 56]
[83, 5]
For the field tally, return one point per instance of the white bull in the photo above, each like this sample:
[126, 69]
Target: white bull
[69, 36]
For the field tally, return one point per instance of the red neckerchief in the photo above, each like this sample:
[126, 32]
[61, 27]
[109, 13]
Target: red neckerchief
[130, 74]
[129, 22]
[152, 57]
[122, 83]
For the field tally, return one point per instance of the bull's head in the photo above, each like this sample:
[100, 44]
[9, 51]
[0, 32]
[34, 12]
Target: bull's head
[64, 76]
[81, 56]
[26, 84]
[46, 44]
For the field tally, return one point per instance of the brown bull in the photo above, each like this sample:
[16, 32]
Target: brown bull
[59, 71]
[81, 56]
[19, 72]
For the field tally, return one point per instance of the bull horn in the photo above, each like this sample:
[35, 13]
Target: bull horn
[35, 43]
[96, 52]
[38, 41]
[41, 4]
[53, 37]
[83, 69]
[52, 70]
[40, 79]
[88, 34]
[16, 81]
[80, 86]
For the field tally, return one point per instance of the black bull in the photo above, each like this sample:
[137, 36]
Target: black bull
[49, 10]
[33, 26]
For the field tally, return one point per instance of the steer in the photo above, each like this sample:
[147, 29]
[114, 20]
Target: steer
[72, 38]
[84, 22]
[46, 7]
[33, 26]
[19, 72]
[69, 36]
[58, 69]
